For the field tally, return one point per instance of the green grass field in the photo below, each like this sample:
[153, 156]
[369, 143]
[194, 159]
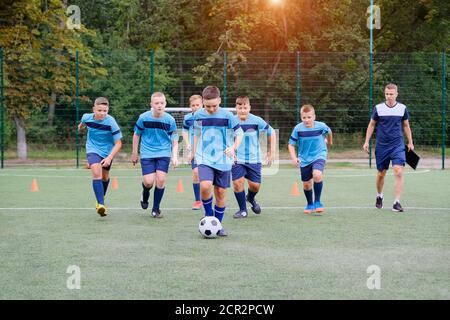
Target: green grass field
[280, 254]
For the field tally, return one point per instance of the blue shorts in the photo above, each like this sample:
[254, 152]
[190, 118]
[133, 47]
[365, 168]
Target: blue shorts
[193, 164]
[150, 165]
[219, 178]
[307, 172]
[93, 158]
[250, 171]
[384, 155]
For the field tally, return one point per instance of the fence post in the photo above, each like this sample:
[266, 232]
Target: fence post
[2, 110]
[370, 102]
[297, 91]
[444, 106]
[225, 79]
[152, 71]
[77, 108]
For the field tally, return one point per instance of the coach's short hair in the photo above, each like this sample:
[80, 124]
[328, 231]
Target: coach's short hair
[157, 94]
[101, 101]
[195, 97]
[307, 108]
[211, 92]
[391, 86]
[242, 100]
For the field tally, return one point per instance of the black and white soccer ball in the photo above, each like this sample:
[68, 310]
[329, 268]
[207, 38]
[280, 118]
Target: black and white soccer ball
[209, 226]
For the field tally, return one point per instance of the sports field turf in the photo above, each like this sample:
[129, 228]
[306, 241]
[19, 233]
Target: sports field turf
[280, 254]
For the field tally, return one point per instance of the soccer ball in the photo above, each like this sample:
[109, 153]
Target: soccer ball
[209, 226]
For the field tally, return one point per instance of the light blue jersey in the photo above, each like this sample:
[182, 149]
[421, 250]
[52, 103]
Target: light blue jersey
[188, 126]
[102, 134]
[156, 134]
[216, 132]
[249, 151]
[310, 142]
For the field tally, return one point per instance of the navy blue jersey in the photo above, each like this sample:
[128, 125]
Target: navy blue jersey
[390, 123]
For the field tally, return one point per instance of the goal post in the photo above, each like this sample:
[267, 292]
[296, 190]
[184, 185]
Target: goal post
[179, 113]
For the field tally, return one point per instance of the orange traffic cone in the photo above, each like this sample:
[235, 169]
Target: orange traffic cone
[115, 184]
[34, 186]
[294, 190]
[180, 188]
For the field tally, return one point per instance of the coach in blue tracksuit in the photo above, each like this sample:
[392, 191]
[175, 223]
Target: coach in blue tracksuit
[390, 117]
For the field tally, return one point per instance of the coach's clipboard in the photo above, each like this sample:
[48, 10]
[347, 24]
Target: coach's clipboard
[411, 158]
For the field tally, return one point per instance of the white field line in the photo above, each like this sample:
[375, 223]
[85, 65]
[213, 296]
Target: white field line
[231, 208]
[184, 176]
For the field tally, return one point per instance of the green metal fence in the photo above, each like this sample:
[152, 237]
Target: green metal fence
[343, 87]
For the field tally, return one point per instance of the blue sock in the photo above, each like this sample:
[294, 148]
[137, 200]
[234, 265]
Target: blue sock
[196, 191]
[251, 196]
[207, 205]
[145, 193]
[219, 212]
[317, 190]
[105, 186]
[97, 185]
[309, 196]
[157, 197]
[240, 197]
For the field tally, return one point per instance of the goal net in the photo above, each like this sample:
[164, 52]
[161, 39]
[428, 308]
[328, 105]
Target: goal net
[178, 113]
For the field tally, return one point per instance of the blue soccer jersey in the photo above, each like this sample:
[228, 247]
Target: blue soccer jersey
[215, 132]
[156, 134]
[102, 134]
[390, 124]
[249, 151]
[310, 142]
[188, 126]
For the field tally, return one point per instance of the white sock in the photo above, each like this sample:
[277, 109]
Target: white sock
[380, 195]
[396, 201]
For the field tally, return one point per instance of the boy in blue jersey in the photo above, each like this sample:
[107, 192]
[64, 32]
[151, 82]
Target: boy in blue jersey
[102, 144]
[214, 133]
[311, 137]
[248, 159]
[390, 118]
[157, 132]
[195, 103]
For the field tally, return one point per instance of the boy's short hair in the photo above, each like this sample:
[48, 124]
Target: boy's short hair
[195, 97]
[391, 86]
[307, 108]
[211, 92]
[101, 101]
[242, 100]
[157, 94]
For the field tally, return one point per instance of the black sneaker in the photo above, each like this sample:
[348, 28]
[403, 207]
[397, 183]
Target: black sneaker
[144, 205]
[240, 214]
[156, 213]
[397, 207]
[222, 233]
[379, 203]
[255, 206]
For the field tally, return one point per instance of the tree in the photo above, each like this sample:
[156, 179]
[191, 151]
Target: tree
[39, 59]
